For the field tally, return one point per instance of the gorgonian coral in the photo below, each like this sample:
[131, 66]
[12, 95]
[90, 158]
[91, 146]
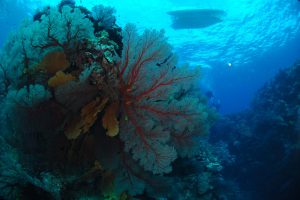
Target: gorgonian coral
[148, 81]
[81, 101]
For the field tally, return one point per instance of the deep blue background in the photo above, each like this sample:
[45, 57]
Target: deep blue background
[235, 86]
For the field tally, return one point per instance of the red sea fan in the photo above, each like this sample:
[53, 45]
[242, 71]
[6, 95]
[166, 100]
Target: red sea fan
[148, 82]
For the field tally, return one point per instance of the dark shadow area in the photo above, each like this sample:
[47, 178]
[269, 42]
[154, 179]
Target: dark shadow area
[265, 140]
[197, 18]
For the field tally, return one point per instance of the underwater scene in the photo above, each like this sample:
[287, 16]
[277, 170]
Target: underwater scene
[150, 100]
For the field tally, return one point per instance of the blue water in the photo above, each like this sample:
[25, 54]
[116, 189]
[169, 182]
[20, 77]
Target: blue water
[248, 38]
[236, 86]
[254, 42]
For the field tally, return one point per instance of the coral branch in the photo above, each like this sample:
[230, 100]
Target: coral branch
[147, 78]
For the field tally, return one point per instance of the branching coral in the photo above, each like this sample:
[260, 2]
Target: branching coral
[65, 29]
[148, 81]
[133, 114]
[104, 15]
[57, 38]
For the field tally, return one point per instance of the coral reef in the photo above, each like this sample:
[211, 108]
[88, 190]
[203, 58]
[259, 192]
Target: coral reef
[93, 111]
[265, 139]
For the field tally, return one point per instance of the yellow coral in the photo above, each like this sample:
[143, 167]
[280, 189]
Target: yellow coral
[87, 118]
[110, 121]
[59, 79]
[90, 111]
[74, 129]
[54, 61]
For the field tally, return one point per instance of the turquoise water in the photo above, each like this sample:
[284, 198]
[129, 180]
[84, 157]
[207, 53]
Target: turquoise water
[250, 28]
[251, 33]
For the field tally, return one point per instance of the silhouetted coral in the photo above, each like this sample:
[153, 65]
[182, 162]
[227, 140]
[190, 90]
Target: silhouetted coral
[265, 139]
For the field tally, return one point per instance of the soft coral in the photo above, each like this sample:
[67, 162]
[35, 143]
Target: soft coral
[148, 78]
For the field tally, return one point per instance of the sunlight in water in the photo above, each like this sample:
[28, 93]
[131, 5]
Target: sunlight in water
[250, 28]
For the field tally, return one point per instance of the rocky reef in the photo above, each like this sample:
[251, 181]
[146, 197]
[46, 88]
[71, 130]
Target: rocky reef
[265, 140]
